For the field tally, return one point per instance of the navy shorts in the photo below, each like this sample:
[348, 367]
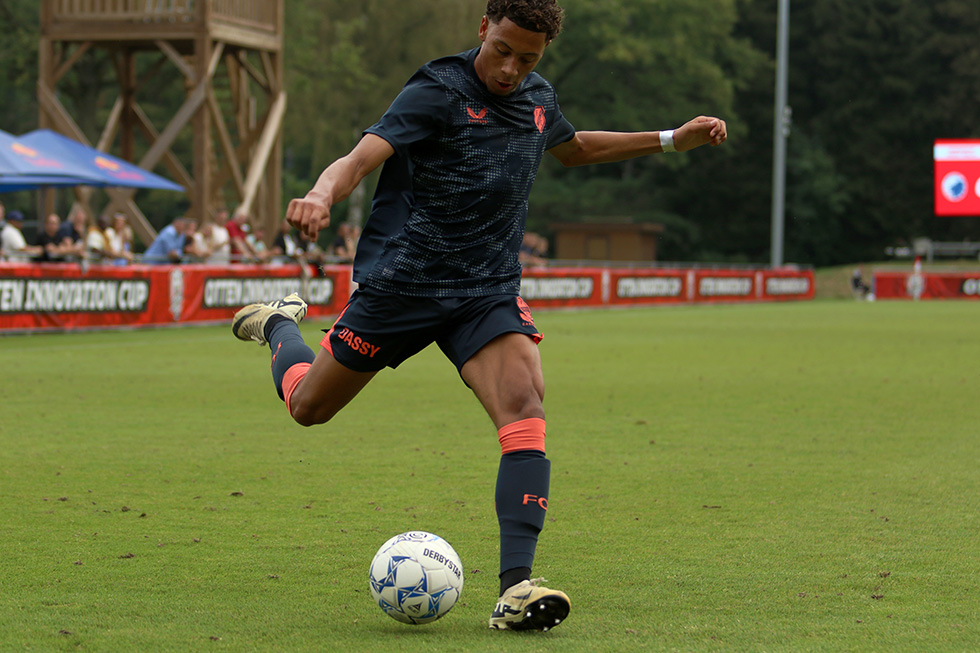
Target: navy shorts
[379, 329]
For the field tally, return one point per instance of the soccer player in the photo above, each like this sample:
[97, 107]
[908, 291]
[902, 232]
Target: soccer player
[438, 261]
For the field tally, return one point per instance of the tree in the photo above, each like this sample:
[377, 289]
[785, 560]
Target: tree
[634, 65]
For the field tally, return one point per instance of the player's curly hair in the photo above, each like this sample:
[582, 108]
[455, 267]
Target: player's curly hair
[535, 15]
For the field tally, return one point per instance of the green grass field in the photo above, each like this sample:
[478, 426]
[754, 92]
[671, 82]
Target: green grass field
[730, 478]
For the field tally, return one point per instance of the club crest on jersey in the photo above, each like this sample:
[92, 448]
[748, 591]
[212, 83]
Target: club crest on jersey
[477, 116]
[539, 119]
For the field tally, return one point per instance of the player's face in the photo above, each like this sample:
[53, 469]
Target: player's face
[508, 55]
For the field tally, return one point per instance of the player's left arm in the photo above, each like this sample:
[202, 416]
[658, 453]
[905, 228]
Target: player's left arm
[589, 147]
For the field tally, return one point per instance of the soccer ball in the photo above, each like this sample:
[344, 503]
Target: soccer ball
[416, 577]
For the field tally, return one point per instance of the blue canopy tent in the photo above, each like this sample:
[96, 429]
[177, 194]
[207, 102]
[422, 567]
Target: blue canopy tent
[25, 166]
[107, 169]
[14, 183]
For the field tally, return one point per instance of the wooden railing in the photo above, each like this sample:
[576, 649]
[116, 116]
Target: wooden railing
[260, 15]
[257, 14]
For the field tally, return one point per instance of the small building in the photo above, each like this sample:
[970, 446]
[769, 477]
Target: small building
[599, 241]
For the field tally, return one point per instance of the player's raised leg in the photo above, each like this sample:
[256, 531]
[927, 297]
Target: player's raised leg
[506, 377]
[314, 387]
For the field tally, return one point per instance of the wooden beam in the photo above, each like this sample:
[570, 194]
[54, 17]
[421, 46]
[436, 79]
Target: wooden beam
[275, 84]
[231, 160]
[183, 115]
[58, 115]
[172, 163]
[71, 61]
[149, 75]
[177, 60]
[111, 125]
[264, 148]
[253, 72]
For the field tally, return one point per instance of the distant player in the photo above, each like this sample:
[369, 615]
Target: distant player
[438, 261]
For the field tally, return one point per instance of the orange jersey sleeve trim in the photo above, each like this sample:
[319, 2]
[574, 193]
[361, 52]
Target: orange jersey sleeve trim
[525, 435]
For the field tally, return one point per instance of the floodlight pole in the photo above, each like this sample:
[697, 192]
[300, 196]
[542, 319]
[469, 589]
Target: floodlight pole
[781, 124]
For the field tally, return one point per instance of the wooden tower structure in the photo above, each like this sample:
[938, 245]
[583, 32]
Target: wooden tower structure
[229, 55]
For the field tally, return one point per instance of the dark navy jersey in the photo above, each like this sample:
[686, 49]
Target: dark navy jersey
[448, 215]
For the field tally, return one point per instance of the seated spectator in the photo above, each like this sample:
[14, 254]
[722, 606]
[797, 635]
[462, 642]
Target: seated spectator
[96, 243]
[220, 241]
[196, 247]
[49, 243]
[284, 246]
[308, 251]
[119, 238]
[73, 232]
[241, 249]
[256, 240]
[344, 245]
[13, 245]
[168, 247]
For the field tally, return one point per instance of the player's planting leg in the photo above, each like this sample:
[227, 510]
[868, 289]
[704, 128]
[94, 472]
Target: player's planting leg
[522, 503]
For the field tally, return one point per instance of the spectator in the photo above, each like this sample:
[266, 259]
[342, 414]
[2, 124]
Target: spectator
[96, 244]
[49, 243]
[284, 246]
[220, 240]
[73, 232]
[858, 286]
[308, 251]
[237, 231]
[168, 247]
[13, 246]
[199, 242]
[119, 238]
[256, 240]
[345, 244]
[196, 247]
[3, 223]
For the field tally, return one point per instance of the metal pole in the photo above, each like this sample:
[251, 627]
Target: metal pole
[781, 120]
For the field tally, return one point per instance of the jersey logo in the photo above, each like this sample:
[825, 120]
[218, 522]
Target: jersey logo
[539, 119]
[477, 116]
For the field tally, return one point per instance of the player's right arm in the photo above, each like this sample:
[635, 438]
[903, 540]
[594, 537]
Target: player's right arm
[311, 213]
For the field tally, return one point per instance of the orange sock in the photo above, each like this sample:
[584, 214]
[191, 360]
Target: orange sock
[525, 435]
[291, 379]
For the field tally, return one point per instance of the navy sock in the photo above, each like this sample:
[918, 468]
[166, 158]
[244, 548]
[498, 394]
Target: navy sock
[522, 502]
[512, 577]
[287, 347]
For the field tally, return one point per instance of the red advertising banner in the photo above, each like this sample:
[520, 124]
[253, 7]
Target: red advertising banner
[929, 285]
[562, 287]
[62, 296]
[957, 177]
[58, 297]
[637, 287]
[212, 294]
[748, 285]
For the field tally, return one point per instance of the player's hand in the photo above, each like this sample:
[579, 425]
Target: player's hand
[703, 130]
[309, 214]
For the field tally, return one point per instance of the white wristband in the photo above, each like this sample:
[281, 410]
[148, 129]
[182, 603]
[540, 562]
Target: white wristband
[667, 140]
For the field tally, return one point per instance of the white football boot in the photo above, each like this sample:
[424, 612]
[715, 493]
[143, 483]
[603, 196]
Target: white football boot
[249, 323]
[529, 606]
